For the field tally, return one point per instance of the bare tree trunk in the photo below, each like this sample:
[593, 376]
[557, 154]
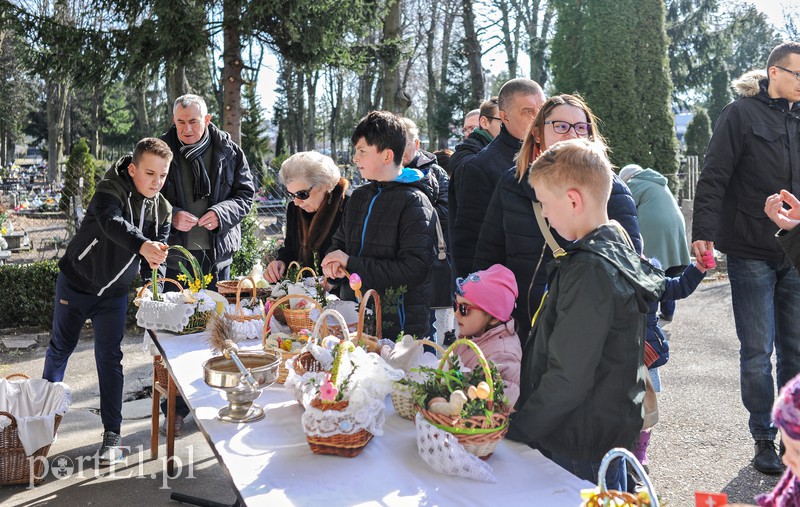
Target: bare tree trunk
[57, 94]
[68, 124]
[299, 111]
[472, 48]
[335, 81]
[232, 70]
[390, 81]
[430, 51]
[536, 33]
[177, 84]
[509, 36]
[97, 104]
[312, 79]
[142, 118]
[366, 82]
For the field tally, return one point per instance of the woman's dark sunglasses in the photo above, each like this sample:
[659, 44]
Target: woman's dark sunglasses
[300, 195]
[462, 308]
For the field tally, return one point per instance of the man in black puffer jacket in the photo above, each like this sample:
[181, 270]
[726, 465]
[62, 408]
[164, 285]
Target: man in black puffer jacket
[519, 100]
[387, 234]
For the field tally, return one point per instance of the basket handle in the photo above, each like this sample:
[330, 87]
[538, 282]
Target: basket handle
[13, 419]
[165, 279]
[293, 263]
[303, 270]
[276, 304]
[435, 345]
[322, 322]
[620, 452]
[484, 365]
[238, 309]
[22, 375]
[362, 312]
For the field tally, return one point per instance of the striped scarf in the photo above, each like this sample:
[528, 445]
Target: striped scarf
[193, 153]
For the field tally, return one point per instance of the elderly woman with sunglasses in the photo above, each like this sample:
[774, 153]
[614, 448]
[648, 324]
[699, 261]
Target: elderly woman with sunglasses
[510, 236]
[318, 193]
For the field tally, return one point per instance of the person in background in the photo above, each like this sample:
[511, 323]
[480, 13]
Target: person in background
[436, 181]
[443, 159]
[510, 235]
[210, 188]
[586, 353]
[318, 194]
[661, 224]
[211, 191]
[518, 102]
[753, 154]
[123, 234]
[470, 122]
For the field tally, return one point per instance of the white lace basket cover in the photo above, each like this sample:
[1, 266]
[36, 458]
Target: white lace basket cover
[172, 313]
[442, 452]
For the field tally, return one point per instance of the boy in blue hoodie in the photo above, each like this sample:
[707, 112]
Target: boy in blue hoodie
[125, 229]
[387, 234]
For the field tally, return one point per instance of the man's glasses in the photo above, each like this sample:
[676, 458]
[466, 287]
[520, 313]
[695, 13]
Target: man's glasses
[300, 195]
[562, 127]
[492, 118]
[796, 74]
[462, 308]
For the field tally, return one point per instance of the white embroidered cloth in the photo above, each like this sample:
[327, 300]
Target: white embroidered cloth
[164, 316]
[442, 451]
[34, 403]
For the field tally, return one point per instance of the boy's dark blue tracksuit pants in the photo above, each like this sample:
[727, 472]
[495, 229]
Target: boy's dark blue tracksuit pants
[107, 313]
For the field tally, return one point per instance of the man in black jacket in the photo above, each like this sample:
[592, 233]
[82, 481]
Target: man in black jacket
[754, 152]
[210, 188]
[518, 101]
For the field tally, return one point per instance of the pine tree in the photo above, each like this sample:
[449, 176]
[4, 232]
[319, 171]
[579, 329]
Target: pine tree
[254, 141]
[79, 165]
[624, 75]
[698, 133]
[720, 94]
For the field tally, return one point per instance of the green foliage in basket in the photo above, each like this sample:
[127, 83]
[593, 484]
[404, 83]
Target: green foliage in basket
[442, 383]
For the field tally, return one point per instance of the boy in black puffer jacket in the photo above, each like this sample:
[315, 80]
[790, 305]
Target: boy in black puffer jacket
[125, 229]
[387, 233]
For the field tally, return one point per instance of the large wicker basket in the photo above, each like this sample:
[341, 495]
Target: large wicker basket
[15, 466]
[285, 355]
[403, 395]
[478, 434]
[229, 288]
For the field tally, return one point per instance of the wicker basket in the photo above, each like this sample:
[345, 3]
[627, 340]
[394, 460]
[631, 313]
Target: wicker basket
[306, 362]
[197, 321]
[283, 372]
[228, 289]
[341, 444]
[478, 434]
[238, 314]
[160, 371]
[403, 395]
[604, 496]
[14, 464]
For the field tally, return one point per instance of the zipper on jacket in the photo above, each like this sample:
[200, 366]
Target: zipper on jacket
[86, 250]
[125, 268]
[366, 221]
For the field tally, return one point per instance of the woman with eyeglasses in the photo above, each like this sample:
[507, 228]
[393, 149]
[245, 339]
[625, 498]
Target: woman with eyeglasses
[510, 235]
[317, 194]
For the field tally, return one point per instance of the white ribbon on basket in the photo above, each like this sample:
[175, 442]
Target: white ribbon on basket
[443, 452]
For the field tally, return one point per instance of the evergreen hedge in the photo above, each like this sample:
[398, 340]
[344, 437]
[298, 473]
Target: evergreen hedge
[27, 293]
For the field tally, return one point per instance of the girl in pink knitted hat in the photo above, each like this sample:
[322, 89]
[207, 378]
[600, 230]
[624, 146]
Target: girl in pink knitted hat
[483, 306]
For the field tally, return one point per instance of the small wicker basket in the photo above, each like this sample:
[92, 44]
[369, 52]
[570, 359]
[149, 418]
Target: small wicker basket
[340, 444]
[283, 372]
[479, 434]
[15, 466]
[604, 496]
[238, 314]
[403, 395]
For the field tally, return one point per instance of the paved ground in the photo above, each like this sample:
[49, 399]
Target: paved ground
[701, 442]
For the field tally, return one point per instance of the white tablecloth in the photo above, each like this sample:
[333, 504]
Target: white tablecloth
[270, 462]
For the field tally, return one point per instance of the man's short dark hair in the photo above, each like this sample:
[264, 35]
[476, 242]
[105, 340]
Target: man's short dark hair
[518, 86]
[383, 130]
[489, 107]
[780, 55]
[154, 146]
